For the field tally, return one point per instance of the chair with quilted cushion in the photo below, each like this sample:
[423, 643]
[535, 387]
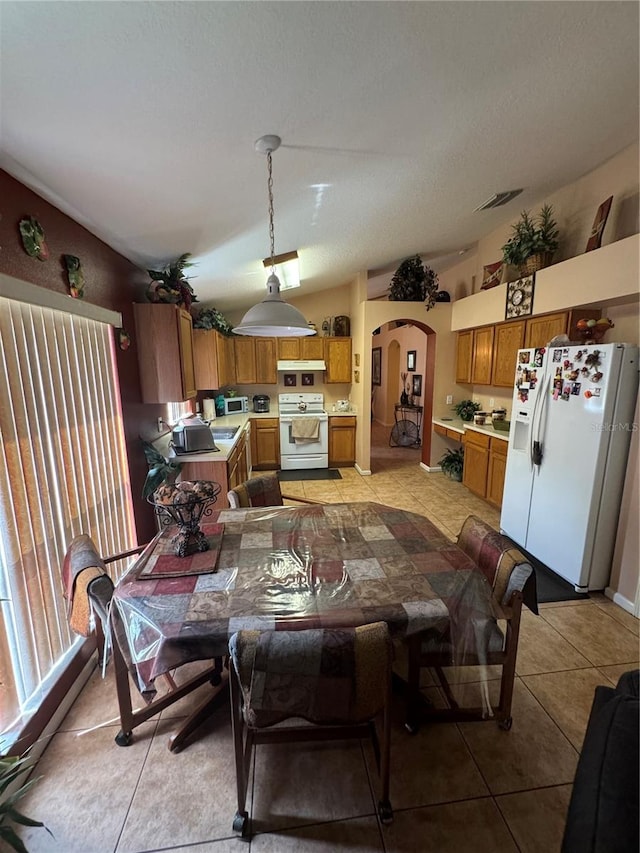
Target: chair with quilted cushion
[88, 590]
[333, 682]
[513, 581]
[262, 491]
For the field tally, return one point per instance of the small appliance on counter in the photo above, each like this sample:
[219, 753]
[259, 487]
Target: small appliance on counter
[236, 405]
[193, 437]
[343, 406]
[261, 402]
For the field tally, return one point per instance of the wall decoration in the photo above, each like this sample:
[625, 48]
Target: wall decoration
[492, 275]
[595, 238]
[411, 359]
[75, 276]
[124, 339]
[417, 385]
[32, 234]
[376, 366]
[519, 297]
[307, 379]
[290, 380]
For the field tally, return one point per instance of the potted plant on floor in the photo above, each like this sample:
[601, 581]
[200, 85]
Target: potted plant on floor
[11, 769]
[452, 463]
[161, 470]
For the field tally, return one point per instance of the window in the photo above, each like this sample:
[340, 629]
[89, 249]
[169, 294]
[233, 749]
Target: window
[63, 471]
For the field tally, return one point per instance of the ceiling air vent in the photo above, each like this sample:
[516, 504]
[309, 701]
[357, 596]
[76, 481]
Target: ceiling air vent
[498, 199]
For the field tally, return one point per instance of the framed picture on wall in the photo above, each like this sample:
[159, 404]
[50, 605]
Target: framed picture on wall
[411, 359]
[416, 388]
[290, 380]
[376, 366]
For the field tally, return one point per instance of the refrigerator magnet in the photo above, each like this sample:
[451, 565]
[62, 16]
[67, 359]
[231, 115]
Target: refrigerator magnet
[557, 355]
[597, 376]
[575, 388]
[566, 392]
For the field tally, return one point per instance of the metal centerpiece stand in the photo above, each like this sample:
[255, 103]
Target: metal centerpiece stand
[184, 505]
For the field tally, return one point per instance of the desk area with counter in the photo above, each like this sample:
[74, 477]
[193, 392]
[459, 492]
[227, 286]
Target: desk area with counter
[485, 455]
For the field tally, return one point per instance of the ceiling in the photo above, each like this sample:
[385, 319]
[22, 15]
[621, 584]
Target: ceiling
[397, 120]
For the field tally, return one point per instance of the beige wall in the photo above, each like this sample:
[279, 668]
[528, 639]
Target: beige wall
[574, 208]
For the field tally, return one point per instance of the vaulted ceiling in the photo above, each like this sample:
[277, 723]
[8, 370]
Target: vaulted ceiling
[397, 120]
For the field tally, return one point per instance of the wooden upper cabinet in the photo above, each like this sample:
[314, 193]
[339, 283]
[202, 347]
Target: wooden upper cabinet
[244, 349]
[312, 347]
[482, 356]
[266, 372]
[288, 348]
[294, 349]
[164, 338]
[464, 354]
[214, 358]
[508, 339]
[541, 329]
[337, 354]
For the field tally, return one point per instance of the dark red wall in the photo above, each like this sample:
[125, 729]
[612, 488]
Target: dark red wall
[111, 281]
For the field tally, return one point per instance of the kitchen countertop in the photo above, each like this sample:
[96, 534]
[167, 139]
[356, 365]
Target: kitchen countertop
[458, 425]
[226, 445]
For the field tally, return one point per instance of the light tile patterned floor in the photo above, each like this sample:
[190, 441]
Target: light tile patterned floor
[468, 787]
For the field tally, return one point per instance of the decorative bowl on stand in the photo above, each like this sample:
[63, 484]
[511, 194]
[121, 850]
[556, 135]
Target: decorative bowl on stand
[185, 504]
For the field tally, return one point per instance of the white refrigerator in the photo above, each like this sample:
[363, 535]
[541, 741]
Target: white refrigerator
[571, 423]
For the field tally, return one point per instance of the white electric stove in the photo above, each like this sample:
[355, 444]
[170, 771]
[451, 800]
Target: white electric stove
[303, 444]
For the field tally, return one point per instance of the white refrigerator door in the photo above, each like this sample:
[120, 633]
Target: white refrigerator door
[567, 486]
[529, 372]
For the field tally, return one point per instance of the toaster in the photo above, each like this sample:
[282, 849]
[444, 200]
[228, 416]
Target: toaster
[192, 438]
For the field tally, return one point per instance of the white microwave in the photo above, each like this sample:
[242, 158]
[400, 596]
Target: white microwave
[236, 405]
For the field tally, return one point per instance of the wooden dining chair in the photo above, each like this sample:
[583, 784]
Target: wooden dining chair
[335, 682]
[88, 589]
[262, 491]
[511, 577]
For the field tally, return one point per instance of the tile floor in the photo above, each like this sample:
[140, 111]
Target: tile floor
[466, 787]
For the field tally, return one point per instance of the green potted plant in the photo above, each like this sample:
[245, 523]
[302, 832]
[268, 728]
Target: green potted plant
[11, 768]
[466, 409]
[452, 463]
[171, 284]
[161, 470]
[211, 318]
[413, 282]
[533, 242]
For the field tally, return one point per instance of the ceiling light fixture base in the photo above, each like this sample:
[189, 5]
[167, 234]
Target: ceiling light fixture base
[267, 144]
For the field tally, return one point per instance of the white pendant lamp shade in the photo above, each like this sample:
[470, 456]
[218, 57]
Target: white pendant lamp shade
[273, 317]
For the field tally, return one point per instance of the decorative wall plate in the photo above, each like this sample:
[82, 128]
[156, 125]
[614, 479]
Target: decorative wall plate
[124, 339]
[32, 234]
[519, 297]
[75, 276]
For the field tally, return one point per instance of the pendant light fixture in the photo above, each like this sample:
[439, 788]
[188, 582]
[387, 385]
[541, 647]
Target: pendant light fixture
[273, 316]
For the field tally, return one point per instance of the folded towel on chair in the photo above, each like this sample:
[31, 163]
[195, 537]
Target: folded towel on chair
[305, 429]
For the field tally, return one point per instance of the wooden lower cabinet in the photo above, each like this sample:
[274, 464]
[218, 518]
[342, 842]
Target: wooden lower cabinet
[228, 473]
[265, 443]
[485, 463]
[497, 467]
[342, 441]
[476, 462]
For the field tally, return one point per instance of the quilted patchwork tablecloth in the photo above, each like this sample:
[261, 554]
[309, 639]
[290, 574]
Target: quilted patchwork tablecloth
[284, 568]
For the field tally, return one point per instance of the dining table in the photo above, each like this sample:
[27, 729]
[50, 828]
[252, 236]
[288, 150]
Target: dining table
[338, 565]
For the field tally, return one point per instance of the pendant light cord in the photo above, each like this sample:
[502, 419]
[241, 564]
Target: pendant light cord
[271, 231]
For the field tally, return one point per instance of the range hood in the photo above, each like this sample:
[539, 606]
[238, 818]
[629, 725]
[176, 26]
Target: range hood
[301, 364]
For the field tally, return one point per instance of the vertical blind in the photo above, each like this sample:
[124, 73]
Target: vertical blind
[63, 471]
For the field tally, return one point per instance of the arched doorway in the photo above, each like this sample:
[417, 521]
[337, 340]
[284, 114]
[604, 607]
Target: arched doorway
[394, 364]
